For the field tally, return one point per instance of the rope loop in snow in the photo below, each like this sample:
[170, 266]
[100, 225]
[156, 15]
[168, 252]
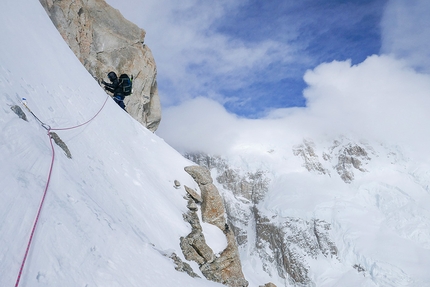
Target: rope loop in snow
[48, 129]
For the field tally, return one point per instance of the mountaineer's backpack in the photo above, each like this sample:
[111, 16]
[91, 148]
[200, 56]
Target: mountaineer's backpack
[126, 84]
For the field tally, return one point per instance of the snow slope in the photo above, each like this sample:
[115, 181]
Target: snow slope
[111, 211]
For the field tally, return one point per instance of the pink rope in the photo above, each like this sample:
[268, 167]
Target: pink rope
[74, 127]
[38, 212]
[47, 184]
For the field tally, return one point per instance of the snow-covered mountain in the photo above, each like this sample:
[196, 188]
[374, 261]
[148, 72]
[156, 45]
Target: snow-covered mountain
[317, 212]
[328, 213]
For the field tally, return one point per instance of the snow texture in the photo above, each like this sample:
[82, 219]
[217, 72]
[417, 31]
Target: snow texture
[111, 213]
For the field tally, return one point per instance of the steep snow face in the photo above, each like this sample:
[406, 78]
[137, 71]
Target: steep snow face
[111, 211]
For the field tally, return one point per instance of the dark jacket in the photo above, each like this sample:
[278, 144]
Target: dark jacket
[114, 88]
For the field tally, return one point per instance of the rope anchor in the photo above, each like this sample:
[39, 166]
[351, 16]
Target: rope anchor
[49, 129]
[46, 127]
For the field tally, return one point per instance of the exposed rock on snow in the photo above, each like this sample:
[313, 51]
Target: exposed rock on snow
[183, 266]
[359, 268]
[345, 158]
[19, 112]
[248, 189]
[349, 157]
[283, 244]
[177, 184]
[58, 141]
[103, 40]
[225, 268]
[213, 211]
[307, 153]
[192, 205]
[197, 198]
[287, 243]
[251, 185]
[200, 174]
[194, 244]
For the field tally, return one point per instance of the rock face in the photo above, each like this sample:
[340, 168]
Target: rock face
[213, 211]
[344, 157]
[194, 244]
[226, 267]
[350, 157]
[194, 195]
[250, 188]
[283, 244]
[103, 40]
[182, 266]
[307, 153]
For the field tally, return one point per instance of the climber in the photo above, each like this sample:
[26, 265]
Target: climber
[115, 88]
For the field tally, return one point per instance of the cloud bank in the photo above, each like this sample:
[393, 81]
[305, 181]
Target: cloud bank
[384, 97]
[381, 99]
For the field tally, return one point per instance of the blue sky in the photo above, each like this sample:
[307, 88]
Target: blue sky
[319, 31]
[277, 41]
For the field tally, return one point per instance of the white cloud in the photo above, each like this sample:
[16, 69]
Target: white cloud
[406, 31]
[200, 124]
[380, 99]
